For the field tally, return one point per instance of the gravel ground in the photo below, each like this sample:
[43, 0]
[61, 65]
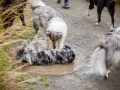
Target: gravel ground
[82, 35]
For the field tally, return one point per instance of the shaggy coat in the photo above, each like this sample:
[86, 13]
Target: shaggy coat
[42, 57]
[107, 53]
[51, 22]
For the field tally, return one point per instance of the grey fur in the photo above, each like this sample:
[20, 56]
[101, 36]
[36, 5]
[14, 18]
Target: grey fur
[111, 43]
[42, 16]
[44, 57]
[107, 53]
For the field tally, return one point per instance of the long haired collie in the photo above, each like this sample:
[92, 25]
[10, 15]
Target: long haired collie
[107, 53]
[48, 19]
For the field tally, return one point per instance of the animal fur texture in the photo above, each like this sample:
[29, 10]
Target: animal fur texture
[110, 4]
[43, 57]
[107, 53]
[35, 53]
[51, 22]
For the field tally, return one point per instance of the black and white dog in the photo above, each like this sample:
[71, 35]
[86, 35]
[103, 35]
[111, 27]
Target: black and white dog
[51, 22]
[110, 4]
[43, 57]
[107, 53]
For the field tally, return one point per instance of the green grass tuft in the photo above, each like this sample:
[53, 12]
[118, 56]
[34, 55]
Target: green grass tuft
[46, 84]
[43, 79]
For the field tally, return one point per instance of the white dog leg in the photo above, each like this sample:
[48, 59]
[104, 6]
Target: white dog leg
[107, 72]
[97, 23]
[88, 12]
[111, 29]
[60, 44]
[47, 43]
[28, 58]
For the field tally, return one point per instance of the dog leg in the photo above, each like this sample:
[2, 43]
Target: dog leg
[99, 10]
[108, 65]
[47, 43]
[88, 12]
[107, 72]
[97, 23]
[60, 44]
[112, 11]
[112, 29]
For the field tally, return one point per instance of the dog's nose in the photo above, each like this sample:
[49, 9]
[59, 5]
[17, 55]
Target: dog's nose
[54, 46]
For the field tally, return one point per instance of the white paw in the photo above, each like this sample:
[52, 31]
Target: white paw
[97, 23]
[112, 29]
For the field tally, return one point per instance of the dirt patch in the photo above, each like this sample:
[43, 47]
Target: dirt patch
[56, 69]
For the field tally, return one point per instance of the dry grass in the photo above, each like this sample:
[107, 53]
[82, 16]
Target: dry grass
[9, 39]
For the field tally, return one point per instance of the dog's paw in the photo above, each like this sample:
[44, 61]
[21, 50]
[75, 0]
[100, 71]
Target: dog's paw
[106, 77]
[97, 23]
[112, 29]
[88, 13]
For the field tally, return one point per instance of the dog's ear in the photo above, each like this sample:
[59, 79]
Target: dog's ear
[59, 34]
[48, 32]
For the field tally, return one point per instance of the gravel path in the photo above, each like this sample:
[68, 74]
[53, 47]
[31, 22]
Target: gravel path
[82, 35]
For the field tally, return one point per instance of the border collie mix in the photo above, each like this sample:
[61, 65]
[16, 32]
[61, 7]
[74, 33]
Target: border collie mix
[42, 57]
[107, 53]
[48, 19]
[110, 4]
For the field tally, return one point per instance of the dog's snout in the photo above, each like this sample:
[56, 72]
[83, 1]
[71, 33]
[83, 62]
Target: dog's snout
[54, 44]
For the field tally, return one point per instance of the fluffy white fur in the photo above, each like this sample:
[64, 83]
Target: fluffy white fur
[58, 25]
[107, 53]
[36, 3]
[51, 22]
[98, 61]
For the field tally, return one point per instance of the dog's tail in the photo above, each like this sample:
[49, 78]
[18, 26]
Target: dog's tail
[36, 3]
[98, 60]
[112, 3]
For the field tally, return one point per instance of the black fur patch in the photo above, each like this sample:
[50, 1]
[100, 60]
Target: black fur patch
[63, 56]
[20, 54]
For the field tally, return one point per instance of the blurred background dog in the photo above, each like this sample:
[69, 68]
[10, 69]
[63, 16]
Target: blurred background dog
[110, 4]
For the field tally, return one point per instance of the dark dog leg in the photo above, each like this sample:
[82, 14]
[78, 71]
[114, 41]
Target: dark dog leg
[112, 12]
[91, 6]
[99, 10]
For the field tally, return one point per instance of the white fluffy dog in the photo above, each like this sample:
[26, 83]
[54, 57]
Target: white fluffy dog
[48, 19]
[107, 53]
